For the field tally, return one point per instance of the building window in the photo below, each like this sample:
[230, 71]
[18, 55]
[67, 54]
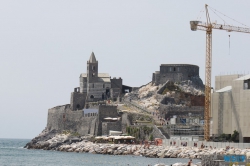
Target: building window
[103, 85]
[174, 68]
[178, 69]
[93, 68]
[93, 74]
[170, 69]
[93, 85]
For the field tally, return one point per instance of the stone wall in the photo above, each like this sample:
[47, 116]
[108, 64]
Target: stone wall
[115, 93]
[107, 126]
[116, 83]
[77, 100]
[63, 118]
[104, 112]
[97, 89]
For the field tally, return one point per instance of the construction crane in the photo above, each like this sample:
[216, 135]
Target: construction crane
[208, 26]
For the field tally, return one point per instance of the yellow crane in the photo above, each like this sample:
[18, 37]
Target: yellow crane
[208, 26]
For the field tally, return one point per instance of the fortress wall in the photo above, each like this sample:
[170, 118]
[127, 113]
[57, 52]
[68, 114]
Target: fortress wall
[104, 112]
[77, 100]
[175, 73]
[116, 83]
[62, 118]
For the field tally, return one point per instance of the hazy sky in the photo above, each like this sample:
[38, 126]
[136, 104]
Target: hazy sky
[45, 44]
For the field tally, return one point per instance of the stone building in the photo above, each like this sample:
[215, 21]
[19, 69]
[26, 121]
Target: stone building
[230, 106]
[177, 73]
[95, 86]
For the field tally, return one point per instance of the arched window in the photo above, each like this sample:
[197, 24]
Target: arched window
[93, 68]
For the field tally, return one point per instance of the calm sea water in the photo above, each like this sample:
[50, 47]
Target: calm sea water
[12, 153]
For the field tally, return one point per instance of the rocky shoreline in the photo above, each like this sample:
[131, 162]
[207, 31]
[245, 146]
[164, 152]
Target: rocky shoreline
[69, 143]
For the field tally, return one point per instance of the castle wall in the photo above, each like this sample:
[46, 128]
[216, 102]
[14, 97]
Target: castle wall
[104, 112]
[175, 73]
[77, 100]
[62, 118]
[116, 83]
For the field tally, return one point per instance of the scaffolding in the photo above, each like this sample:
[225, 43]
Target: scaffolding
[188, 129]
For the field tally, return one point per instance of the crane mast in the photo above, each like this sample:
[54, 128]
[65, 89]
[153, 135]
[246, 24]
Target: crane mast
[208, 77]
[208, 26]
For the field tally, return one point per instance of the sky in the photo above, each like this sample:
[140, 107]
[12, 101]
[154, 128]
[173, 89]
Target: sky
[45, 45]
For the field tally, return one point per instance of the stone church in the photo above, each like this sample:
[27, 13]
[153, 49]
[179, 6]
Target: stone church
[95, 86]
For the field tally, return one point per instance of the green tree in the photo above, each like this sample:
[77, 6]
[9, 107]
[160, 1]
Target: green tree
[151, 137]
[235, 136]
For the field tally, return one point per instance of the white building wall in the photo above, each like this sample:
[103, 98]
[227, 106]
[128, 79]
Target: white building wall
[236, 107]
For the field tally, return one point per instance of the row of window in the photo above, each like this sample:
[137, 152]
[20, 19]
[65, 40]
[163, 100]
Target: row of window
[174, 69]
[90, 114]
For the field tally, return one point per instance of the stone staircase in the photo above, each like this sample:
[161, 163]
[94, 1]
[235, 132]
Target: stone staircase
[164, 131]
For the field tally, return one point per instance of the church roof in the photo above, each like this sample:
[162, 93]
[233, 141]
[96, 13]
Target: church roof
[92, 58]
[103, 79]
[83, 75]
[101, 75]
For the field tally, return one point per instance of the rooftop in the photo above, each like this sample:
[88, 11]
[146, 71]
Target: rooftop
[92, 58]
[178, 65]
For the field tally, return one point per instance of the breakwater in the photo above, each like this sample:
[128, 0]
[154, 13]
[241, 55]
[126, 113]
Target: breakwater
[67, 143]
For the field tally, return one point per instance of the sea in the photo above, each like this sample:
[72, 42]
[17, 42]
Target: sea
[12, 153]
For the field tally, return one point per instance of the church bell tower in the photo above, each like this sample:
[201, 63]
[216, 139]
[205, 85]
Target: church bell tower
[92, 69]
